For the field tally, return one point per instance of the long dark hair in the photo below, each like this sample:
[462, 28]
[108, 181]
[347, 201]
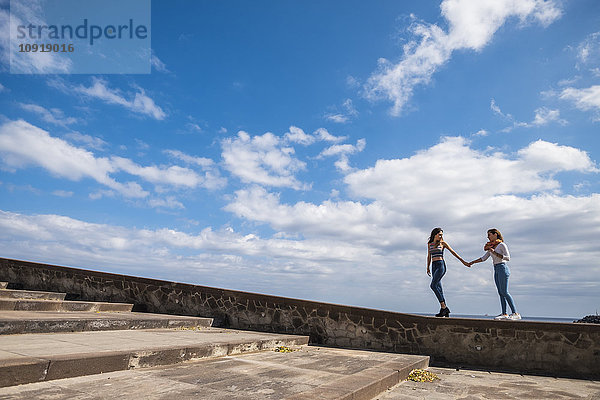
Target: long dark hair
[497, 232]
[434, 232]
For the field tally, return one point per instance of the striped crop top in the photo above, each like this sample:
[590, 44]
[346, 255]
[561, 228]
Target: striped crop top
[436, 252]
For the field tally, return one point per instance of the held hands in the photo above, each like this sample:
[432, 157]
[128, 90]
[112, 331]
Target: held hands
[466, 264]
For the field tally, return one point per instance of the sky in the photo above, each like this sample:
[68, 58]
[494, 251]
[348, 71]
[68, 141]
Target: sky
[306, 149]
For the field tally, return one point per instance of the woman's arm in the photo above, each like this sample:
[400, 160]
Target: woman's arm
[475, 261]
[428, 260]
[446, 245]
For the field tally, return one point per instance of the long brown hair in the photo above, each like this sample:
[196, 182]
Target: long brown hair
[497, 232]
[434, 232]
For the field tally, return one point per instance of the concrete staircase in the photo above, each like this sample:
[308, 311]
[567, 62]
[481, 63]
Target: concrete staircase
[46, 338]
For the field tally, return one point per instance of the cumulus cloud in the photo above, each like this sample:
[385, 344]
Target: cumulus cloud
[264, 160]
[23, 144]
[584, 99]
[343, 151]
[471, 25]
[297, 135]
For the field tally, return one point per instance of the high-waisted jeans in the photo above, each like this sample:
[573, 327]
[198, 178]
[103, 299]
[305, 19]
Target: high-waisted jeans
[438, 270]
[501, 274]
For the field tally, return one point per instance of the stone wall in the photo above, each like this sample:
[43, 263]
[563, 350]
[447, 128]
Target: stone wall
[527, 347]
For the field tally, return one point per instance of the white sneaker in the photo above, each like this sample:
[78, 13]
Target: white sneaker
[514, 315]
[502, 316]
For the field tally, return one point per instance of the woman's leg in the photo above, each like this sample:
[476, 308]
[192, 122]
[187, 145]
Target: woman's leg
[503, 273]
[437, 273]
[498, 280]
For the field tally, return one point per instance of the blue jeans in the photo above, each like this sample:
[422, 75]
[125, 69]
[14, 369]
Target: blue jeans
[501, 274]
[438, 270]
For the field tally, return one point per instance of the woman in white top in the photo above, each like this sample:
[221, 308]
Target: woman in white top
[500, 255]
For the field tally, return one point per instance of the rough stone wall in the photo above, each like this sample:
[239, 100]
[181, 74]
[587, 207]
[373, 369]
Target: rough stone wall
[522, 346]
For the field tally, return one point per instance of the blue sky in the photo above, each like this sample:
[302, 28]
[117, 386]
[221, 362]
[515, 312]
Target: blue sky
[307, 149]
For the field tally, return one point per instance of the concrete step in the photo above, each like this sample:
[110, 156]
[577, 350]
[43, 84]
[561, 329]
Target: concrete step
[43, 357]
[309, 373]
[3, 285]
[20, 322]
[30, 295]
[57, 305]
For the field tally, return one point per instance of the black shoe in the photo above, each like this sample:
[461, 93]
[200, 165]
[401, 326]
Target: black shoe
[446, 312]
[442, 312]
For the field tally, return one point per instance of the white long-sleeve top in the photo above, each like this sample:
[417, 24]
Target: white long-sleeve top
[501, 248]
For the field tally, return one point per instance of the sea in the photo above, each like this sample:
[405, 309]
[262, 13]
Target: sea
[523, 318]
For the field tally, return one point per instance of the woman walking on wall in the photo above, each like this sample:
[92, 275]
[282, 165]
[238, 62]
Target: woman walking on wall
[435, 258]
[496, 248]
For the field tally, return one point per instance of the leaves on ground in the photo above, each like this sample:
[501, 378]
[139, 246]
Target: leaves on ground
[284, 349]
[420, 375]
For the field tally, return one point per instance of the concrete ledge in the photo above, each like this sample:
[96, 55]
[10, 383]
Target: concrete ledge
[22, 370]
[28, 294]
[58, 305]
[40, 357]
[20, 322]
[366, 384]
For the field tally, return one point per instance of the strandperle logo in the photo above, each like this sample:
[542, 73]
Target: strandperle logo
[80, 37]
[84, 31]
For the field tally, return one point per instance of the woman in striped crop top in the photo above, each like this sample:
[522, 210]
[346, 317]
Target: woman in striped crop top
[435, 257]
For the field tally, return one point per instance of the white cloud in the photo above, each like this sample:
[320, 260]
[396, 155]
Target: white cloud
[3, 88]
[22, 144]
[588, 51]
[543, 116]
[62, 193]
[199, 161]
[263, 159]
[297, 135]
[343, 151]
[324, 135]
[157, 63]
[464, 177]
[91, 142]
[53, 116]
[169, 202]
[140, 103]
[472, 24]
[544, 156]
[585, 99]
[171, 175]
[348, 112]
